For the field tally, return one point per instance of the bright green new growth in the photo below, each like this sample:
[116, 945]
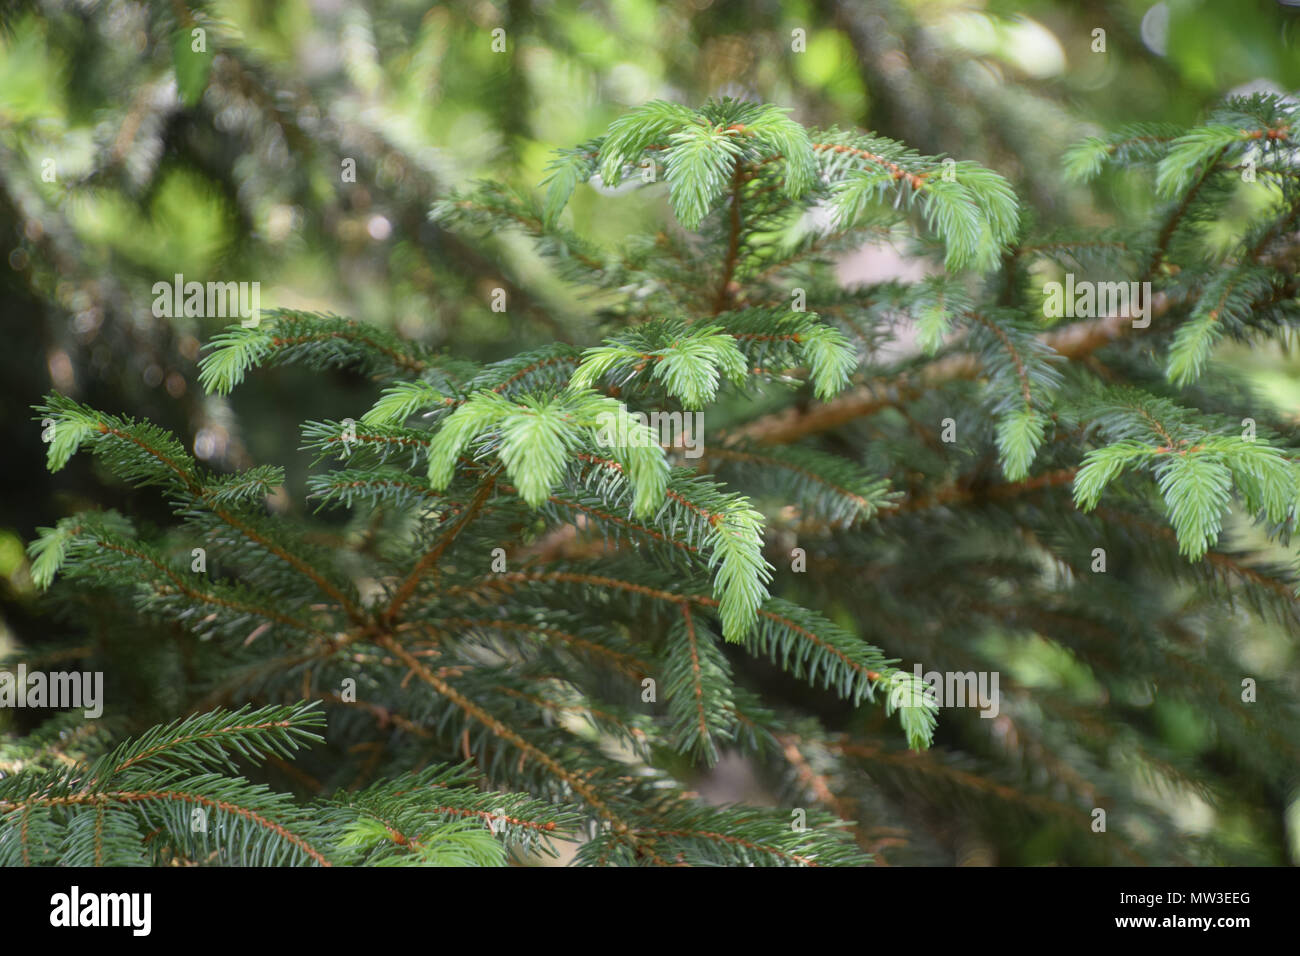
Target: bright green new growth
[402, 400]
[693, 362]
[456, 844]
[907, 695]
[691, 367]
[1019, 435]
[718, 149]
[1196, 469]
[535, 440]
[700, 152]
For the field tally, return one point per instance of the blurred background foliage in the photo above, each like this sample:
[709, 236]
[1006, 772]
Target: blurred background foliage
[230, 167]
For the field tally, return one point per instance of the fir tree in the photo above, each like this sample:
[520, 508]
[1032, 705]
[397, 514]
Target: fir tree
[565, 613]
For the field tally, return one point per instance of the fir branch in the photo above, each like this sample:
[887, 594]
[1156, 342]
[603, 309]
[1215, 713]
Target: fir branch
[431, 557]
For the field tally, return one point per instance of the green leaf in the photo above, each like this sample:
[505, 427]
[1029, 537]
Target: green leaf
[536, 438]
[933, 323]
[67, 425]
[1019, 434]
[1084, 160]
[234, 352]
[1100, 467]
[1197, 489]
[641, 458]
[692, 368]
[740, 582]
[698, 168]
[631, 133]
[565, 172]
[1188, 155]
[49, 551]
[402, 400]
[831, 359]
[480, 412]
[456, 843]
[918, 711]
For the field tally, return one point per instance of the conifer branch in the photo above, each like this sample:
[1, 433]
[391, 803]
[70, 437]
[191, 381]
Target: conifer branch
[577, 785]
[1072, 342]
[527, 668]
[430, 558]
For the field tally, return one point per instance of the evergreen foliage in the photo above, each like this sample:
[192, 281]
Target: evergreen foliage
[580, 680]
[170, 795]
